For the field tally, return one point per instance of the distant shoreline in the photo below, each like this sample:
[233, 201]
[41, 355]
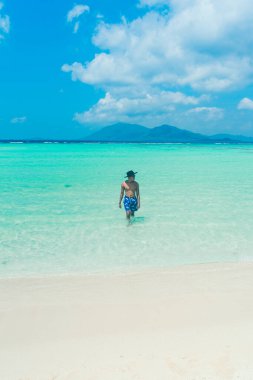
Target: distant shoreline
[122, 142]
[122, 133]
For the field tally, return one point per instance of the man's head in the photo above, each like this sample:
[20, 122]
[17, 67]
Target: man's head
[131, 175]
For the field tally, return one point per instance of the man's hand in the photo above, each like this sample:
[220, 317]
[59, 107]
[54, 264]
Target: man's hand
[138, 205]
[120, 205]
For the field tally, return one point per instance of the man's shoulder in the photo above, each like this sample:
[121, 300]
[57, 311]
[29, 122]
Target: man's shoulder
[136, 183]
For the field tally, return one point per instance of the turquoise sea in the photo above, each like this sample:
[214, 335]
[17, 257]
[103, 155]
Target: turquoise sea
[60, 214]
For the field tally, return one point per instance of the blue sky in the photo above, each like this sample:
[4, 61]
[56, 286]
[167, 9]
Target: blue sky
[70, 67]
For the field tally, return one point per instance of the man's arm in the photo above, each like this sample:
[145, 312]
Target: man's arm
[121, 195]
[138, 195]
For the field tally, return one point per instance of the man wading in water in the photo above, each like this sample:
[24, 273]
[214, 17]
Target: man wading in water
[132, 195]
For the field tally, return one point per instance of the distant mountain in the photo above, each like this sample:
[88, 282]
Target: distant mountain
[122, 132]
[168, 133]
[119, 132]
[234, 138]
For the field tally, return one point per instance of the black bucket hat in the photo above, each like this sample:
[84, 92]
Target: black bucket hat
[131, 173]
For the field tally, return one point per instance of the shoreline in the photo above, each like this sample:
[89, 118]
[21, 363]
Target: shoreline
[48, 141]
[129, 271]
[191, 322]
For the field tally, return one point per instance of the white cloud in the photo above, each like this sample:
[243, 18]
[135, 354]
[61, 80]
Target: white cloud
[157, 105]
[76, 26]
[208, 113]
[202, 45]
[4, 23]
[245, 104]
[75, 13]
[20, 119]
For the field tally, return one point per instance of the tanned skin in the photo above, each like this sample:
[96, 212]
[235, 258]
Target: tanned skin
[131, 189]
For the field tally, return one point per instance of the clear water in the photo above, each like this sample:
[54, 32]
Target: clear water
[59, 207]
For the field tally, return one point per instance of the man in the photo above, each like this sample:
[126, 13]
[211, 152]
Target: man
[132, 195]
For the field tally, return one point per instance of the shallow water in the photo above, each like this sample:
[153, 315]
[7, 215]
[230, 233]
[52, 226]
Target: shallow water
[59, 206]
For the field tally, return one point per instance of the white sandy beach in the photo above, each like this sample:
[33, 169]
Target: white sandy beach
[190, 322]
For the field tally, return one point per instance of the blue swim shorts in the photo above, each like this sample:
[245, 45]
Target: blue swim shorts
[130, 203]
